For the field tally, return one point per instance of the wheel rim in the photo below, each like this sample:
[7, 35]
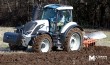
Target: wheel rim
[45, 45]
[75, 41]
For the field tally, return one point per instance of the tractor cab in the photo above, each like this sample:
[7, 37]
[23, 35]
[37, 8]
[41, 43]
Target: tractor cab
[57, 15]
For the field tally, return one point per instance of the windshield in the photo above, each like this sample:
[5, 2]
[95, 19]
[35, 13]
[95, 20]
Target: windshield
[49, 13]
[46, 13]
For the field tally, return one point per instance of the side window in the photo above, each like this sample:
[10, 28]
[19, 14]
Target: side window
[63, 17]
[67, 16]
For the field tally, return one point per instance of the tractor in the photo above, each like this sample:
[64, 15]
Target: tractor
[54, 29]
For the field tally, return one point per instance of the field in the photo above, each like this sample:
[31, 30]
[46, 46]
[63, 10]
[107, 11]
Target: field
[3, 45]
[101, 53]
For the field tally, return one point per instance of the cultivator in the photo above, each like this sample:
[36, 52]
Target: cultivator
[89, 42]
[91, 38]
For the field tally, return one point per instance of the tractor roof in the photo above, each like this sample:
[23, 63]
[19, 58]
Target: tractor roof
[58, 6]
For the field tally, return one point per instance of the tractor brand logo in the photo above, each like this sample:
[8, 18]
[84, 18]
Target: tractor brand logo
[42, 25]
[94, 58]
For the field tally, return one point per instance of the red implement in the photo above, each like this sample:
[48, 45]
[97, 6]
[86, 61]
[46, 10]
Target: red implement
[89, 42]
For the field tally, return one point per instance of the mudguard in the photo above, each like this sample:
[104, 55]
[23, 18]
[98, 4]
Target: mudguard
[66, 28]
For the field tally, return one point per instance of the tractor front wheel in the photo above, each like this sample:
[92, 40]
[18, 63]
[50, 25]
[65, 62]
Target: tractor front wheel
[42, 43]
[73, 39]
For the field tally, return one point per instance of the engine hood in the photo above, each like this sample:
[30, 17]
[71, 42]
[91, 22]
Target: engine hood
[43, 24]
[33, 27]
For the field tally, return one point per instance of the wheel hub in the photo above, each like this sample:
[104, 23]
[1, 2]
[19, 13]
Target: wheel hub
[74, 41]
[45, 45]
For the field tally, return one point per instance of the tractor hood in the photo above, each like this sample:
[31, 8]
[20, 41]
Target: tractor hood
[43, 25]
[35, 26]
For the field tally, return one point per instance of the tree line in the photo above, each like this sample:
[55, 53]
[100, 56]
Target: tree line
[88, 13]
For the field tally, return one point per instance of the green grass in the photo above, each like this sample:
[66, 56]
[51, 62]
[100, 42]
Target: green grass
[2, 31]
[106, 41]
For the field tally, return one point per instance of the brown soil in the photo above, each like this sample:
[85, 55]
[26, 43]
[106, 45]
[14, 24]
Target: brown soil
[57, 57]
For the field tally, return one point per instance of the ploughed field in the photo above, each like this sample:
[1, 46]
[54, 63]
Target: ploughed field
[97, 55]
[82, 57]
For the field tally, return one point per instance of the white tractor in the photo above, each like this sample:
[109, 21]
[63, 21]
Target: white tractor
[55, 30]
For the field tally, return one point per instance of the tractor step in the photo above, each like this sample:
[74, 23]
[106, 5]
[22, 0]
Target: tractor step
[55, 38]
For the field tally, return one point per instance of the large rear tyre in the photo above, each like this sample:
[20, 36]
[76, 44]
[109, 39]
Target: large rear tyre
[16, 47]
[42, 43]
[73, 40]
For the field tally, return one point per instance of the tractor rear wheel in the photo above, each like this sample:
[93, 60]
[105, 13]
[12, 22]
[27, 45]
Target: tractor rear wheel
[73, 40]
[16, 47]
[42, 43]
